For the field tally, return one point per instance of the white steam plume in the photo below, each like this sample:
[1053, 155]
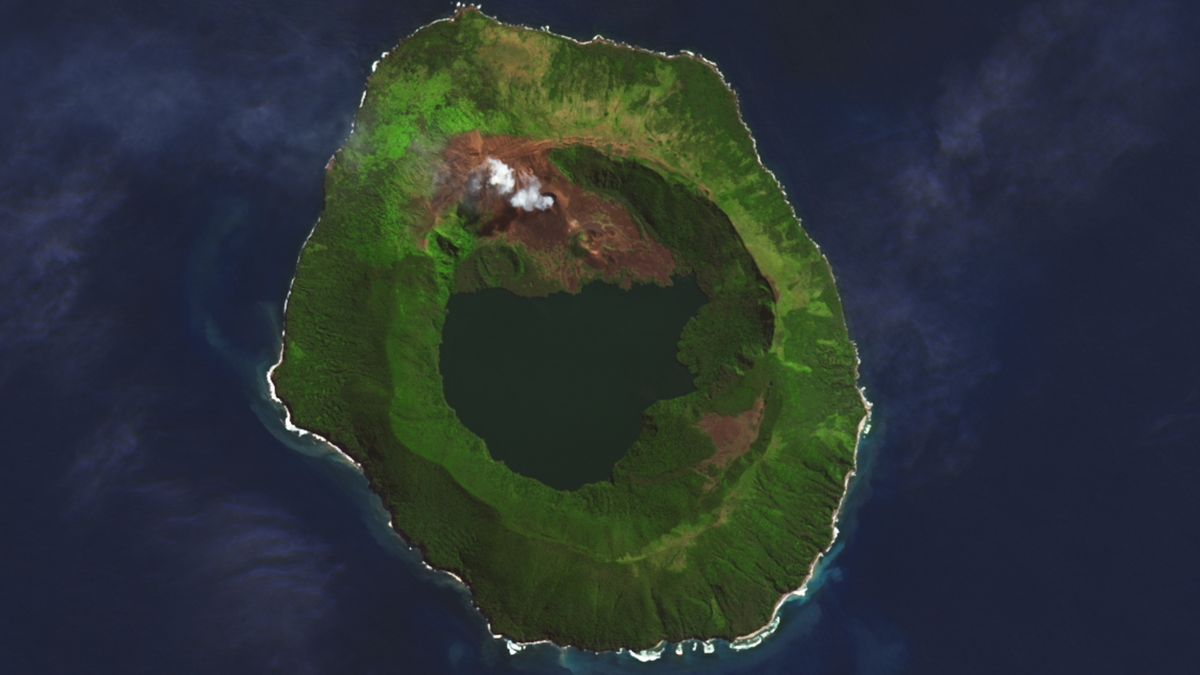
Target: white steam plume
[530, 197]
[500, 176]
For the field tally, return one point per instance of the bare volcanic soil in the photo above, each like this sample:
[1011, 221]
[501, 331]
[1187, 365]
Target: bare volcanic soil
[732, 434]
[490, 160]
[578, 237]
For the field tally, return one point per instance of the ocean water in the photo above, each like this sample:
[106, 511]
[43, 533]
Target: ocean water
[1006, 192]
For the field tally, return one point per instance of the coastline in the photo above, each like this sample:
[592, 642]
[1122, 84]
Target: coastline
[740, 643]
[864, 427]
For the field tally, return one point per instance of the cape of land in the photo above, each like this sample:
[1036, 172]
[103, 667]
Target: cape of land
[486, 155]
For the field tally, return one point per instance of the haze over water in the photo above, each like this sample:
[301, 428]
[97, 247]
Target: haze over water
[1005, 191]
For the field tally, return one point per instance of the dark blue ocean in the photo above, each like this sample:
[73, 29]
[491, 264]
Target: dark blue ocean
[1009, 194]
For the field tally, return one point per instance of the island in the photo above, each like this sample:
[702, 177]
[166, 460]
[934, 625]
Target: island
[491, 158]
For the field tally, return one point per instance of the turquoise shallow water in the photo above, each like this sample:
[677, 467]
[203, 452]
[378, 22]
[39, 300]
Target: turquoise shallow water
[1006, 193]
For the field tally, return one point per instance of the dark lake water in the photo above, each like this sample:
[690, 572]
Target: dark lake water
[556, 386]
[1006, 192]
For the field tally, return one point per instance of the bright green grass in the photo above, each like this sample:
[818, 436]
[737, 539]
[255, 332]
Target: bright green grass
[668, 549]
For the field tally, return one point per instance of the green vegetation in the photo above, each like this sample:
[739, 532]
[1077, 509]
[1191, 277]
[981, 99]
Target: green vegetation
[677, 545]
[734, 329]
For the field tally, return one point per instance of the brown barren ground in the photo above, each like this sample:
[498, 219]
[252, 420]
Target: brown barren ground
[581, 237]
[732, 434]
